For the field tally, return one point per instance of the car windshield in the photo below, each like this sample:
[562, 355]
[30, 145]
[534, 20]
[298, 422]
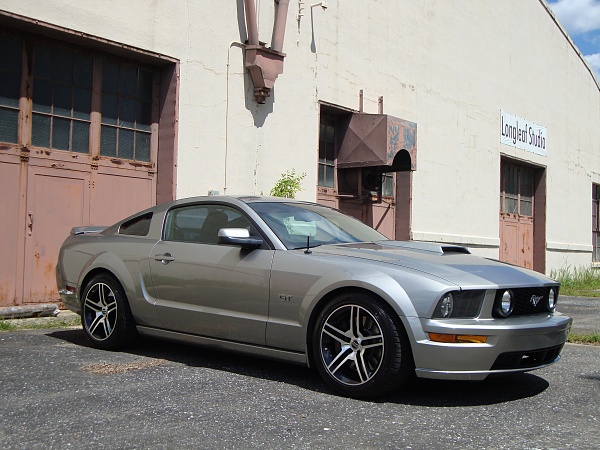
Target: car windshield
[300, 225]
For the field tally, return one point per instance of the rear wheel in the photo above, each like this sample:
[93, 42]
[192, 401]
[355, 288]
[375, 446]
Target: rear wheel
[360, 347]
[106, 317]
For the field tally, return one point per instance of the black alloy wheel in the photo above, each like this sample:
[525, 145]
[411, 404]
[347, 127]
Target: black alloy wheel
[360, 346]
[106, 317]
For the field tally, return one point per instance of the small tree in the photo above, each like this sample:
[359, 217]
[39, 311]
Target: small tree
[288, 185]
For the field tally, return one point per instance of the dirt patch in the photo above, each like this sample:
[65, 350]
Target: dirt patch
[114, 369]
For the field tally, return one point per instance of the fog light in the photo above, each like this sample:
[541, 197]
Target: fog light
[552, 300]
[504, 305]
[458, 338]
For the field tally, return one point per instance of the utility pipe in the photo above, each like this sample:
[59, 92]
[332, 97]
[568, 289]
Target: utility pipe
[251, 23]
[279, 26]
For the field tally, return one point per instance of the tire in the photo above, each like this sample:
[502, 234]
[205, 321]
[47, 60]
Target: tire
[360, 347]
[106, 317]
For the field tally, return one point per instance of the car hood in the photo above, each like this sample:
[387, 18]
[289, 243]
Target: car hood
[452, 263]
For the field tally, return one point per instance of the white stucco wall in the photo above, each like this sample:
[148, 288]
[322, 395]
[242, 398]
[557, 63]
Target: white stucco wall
[450, 66]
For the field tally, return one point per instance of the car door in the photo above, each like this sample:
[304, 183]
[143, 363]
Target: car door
[208, 289]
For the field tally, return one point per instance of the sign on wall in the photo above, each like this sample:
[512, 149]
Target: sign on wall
[521, 133]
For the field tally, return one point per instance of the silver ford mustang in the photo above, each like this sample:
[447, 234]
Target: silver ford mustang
[301, 282]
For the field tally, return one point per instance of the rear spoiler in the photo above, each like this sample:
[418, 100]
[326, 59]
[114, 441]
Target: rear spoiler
[87, 230]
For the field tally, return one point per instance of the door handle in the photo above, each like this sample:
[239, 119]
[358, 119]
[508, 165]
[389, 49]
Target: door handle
[30, 222]
[165, 258]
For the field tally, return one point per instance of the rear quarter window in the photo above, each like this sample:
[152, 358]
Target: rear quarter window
[138, 226]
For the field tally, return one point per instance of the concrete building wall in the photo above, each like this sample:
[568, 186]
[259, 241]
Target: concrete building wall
[449, 66]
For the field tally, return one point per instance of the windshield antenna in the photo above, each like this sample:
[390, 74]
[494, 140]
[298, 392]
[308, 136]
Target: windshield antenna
[308, 250]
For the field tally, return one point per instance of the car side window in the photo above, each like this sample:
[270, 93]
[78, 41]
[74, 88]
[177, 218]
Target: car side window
[201, 223]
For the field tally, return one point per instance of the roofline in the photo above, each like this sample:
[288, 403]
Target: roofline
[566, 35]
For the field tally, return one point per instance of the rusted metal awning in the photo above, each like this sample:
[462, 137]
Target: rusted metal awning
[379, 140]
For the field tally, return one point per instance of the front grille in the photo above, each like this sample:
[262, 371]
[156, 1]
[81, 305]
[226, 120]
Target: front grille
[526, 360]
[528, 300]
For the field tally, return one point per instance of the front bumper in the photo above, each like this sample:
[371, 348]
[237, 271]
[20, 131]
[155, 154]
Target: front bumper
[516, 344]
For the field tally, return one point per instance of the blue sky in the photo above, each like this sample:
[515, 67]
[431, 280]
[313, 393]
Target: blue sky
[581, 19]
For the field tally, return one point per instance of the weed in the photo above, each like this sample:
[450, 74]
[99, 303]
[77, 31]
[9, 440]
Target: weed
[578, 281]
[593, 338]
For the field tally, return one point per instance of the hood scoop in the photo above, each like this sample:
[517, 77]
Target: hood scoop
[427, 247]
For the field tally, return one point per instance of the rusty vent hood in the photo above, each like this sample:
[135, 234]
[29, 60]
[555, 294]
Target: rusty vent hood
[379, 140]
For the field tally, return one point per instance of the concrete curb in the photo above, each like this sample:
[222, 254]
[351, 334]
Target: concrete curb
[27, 311]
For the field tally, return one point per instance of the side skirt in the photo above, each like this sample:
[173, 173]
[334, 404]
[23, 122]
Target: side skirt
[217, 344]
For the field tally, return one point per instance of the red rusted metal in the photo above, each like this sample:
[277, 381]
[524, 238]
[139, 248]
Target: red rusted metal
[375, 140]
[251, 23]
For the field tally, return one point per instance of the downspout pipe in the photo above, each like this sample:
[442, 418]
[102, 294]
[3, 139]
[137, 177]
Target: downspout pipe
[251, 22]
[279, 25]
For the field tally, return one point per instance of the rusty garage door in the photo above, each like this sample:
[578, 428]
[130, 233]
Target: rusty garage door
[79, 133]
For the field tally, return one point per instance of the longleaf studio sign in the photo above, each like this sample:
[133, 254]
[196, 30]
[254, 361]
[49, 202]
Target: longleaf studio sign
[521, 133]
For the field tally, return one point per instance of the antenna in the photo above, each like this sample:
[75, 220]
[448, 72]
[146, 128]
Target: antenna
[308, 251]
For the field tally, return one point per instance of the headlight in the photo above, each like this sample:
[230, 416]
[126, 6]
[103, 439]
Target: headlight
[552, 298]
[505, 302]
[446, 305]
[459, 304]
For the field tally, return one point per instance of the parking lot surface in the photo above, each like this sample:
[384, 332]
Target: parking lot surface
[59, 393]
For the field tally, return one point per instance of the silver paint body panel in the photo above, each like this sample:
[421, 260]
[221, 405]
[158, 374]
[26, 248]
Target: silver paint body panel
[262, 301]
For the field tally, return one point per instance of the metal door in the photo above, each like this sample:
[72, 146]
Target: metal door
[57, 200]
[516, 215]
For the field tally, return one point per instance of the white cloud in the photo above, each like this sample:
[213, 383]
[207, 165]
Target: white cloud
[577, 16]
[594, 62]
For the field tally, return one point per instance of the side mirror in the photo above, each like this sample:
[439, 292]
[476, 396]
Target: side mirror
[239, 237]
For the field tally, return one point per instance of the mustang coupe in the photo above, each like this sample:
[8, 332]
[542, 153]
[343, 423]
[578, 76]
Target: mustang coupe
[303, 283]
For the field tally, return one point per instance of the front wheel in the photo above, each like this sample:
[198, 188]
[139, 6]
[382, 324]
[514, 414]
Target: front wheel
[360, 347]
[106, 317]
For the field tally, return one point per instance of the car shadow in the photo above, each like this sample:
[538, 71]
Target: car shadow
[417, 392]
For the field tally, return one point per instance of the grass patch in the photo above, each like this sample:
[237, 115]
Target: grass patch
[592, 339]
[39, 323]
[582, 282]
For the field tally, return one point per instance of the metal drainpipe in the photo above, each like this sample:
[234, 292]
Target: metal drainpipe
[279, 26]
[251, 24]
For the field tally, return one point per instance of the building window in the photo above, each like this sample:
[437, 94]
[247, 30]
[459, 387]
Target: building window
[126, 111]
[62, 99]
[595, 224]
[387, 187]
[327, 152]
[516, 196]
[67, 83]
[10, 87]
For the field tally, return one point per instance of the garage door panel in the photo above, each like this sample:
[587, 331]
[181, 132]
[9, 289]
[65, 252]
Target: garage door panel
[116, 196]
[9, 225]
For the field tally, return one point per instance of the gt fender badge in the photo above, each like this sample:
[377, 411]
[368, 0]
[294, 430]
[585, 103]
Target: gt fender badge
[285, 298]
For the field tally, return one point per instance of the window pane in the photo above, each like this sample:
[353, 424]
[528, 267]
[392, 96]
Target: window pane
[142, 146]
[42, 95]
[110, 77]
[10, 89]
[127, 81]
[82, 73]
[81, 137]
[144, 88]
[109, 109]
[126, 144]
[82, 103]
[42, 62]
[143, 115]
[329, 176]
[61, 131]
[63, 66]
[108, 141]
[62, 99]
[126, 112]
[9, 120]
[40, 131]
[10, 53]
